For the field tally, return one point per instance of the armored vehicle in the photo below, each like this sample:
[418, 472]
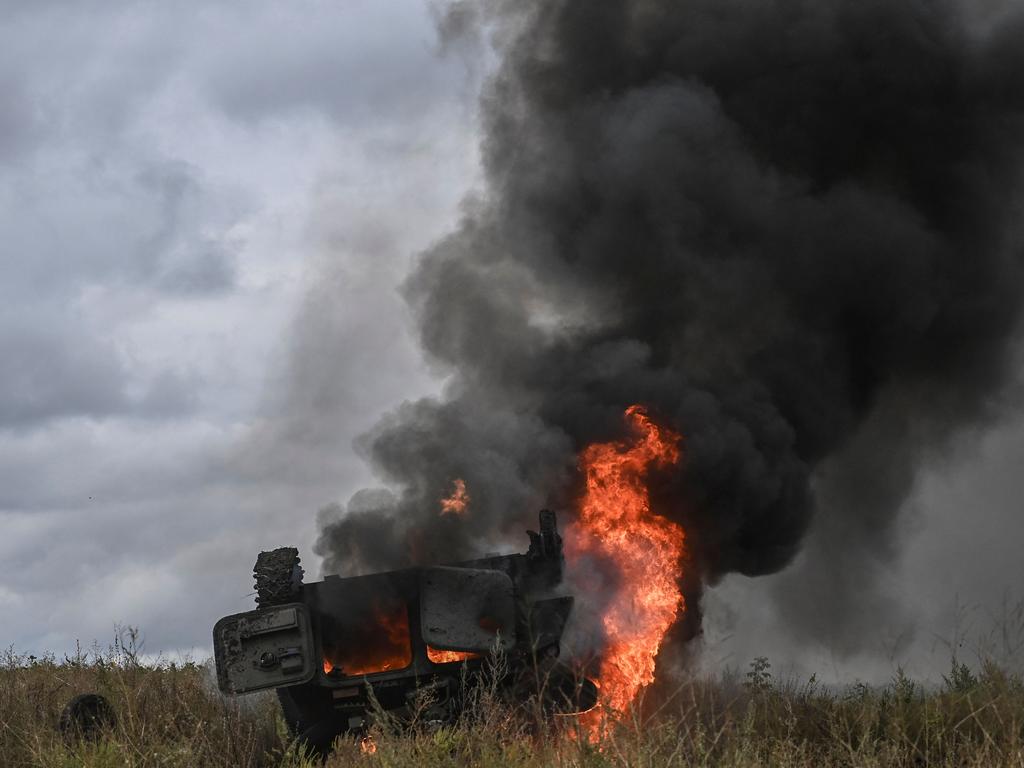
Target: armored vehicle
[340, 650]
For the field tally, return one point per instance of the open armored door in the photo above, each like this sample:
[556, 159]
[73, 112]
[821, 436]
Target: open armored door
[266, 648]
[467, 609]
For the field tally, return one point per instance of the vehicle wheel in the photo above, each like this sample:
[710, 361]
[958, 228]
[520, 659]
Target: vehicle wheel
[293, 716]
[318, 739]
[303, 706]
[278, 576]
[310, 719]
[568, 694]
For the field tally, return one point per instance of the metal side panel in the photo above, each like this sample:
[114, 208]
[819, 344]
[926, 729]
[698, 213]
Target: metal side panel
[467, 609]
[265, 648]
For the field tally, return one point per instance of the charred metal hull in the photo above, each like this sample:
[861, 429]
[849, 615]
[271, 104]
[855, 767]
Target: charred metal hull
[339, 648]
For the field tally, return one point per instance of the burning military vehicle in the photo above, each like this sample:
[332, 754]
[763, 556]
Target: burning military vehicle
[417, 639]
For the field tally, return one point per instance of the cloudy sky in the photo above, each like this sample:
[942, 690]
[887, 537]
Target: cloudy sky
[206, 211]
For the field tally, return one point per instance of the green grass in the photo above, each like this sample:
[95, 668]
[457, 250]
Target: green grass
[171, 715]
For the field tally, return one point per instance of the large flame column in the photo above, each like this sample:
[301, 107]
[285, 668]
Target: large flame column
[616, 524]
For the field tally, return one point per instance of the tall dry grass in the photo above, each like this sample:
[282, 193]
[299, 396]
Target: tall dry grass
[169, 714]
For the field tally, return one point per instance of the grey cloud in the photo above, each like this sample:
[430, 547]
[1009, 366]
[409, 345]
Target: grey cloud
[18, 123]
[349, 350]
[113, 221]
[135, 212]
[169, 395]
[176, 255]
[259, 72]
[128, 490]
[54, 368]
[86, 72]
[158, 577]
[53, 372]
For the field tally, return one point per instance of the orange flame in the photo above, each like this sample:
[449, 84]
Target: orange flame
[616, 523]
[438, 656]
[458, 502]
[392, 649]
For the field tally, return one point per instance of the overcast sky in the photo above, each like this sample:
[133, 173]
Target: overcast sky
[205, 210]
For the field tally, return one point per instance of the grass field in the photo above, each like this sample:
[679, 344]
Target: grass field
[170, 715]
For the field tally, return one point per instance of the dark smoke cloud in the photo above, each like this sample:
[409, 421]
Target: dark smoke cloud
[792, 229]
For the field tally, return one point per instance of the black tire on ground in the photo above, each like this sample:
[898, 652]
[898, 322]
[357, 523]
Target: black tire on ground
[278, 576]
[318, 739]
[294, 717]
[87, 717]
[311, 719]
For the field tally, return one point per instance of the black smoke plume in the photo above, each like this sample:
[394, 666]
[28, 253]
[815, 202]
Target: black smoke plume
[791, 228]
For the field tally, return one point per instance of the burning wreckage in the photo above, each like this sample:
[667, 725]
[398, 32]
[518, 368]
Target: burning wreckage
[339, 648]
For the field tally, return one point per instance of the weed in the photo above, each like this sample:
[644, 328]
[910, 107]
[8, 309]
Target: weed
[170, 715]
